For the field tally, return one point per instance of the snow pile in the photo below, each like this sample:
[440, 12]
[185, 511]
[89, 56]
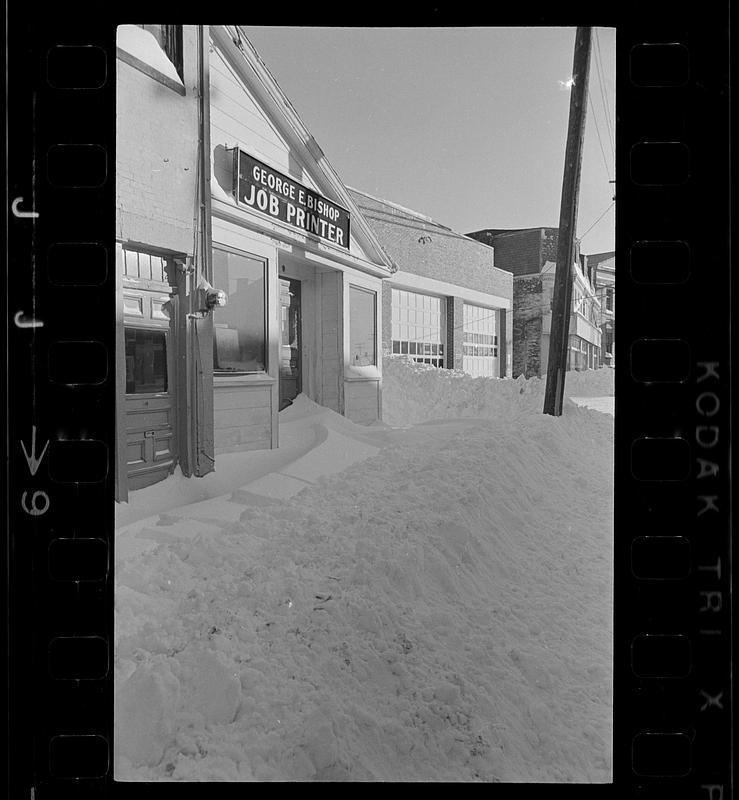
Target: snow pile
[438, 611]
[589, 382]
[413, 392]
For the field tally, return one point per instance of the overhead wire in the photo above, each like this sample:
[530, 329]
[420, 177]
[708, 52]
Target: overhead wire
[600, 70]
[583, 235]
[600, 141]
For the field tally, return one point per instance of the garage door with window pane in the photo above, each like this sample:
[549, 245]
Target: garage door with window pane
[480, 342]
[418, 326]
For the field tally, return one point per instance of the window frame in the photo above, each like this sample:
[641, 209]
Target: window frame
[241, 375]
[151, 329]
[373, 293]
[476, 343]
[400, 345]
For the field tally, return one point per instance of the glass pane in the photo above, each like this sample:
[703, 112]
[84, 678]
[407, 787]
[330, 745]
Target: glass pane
[146, 361]
[145, 265]
[157, 268]
[131, 259]
[362, 333]
[239, 326]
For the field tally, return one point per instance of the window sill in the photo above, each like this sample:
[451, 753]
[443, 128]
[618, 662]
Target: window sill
[255, 379]
[368, 373]
[152, 72]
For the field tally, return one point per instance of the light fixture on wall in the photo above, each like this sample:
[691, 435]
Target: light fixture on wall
[210, 298]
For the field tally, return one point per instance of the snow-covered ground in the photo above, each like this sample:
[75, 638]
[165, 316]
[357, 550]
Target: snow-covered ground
[425, 599]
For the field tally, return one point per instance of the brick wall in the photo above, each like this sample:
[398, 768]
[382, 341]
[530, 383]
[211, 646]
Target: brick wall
[550, 243]
[527, 326]
[519, 252]
[425, 248]
[157, 155]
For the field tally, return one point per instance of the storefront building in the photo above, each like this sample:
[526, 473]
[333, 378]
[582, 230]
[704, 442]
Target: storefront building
[448, 305]
[531, 255]
[302, 270]
[160, 244]
[246, 274]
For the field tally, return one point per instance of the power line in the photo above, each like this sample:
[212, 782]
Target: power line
[600, 70]
[600, 141]
[597, 221]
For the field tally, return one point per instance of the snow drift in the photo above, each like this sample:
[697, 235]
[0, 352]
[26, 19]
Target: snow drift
[435, 604]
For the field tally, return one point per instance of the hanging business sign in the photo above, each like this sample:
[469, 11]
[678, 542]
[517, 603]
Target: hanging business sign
[263, 188]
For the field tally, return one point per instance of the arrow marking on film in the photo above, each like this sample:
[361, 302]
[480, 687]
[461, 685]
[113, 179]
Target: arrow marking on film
[33, 462]
[27, 323]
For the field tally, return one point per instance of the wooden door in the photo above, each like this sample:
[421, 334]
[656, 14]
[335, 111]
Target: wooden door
[290, 344]
[150, 403]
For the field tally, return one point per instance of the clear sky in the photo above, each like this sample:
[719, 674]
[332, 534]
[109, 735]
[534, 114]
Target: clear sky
[465, 125]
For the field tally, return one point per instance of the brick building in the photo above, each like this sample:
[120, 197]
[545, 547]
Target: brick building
[246, 274]
[447, 304]
[531, 255]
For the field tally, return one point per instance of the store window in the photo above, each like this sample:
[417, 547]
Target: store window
[146, 361]
[417, 326]
[362, 327]
[239, 327]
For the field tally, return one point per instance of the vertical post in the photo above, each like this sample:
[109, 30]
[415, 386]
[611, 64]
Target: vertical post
[202, 347]
[121, 476]
[562, 298]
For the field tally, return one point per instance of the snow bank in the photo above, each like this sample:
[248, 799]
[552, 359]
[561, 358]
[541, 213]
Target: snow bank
[440, 610]
[413, 393]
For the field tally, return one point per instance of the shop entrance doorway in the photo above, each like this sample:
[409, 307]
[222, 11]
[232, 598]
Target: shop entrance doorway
[291, 383]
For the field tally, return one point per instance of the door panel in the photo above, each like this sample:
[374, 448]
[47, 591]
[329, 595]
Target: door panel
[290, 342]
[150, 401]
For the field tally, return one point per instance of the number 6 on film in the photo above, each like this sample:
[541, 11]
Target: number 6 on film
[35, 510]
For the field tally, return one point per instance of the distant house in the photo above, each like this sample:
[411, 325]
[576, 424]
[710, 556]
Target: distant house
[448, 304]
[531, 255]
[603, 267]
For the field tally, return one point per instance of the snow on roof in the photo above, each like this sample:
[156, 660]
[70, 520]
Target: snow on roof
[140, 43]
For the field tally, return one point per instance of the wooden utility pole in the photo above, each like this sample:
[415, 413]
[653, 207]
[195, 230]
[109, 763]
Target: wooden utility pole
[562, 299]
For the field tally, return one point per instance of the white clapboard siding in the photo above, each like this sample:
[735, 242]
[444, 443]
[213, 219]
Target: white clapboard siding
[236, 119]
[331, 356]
[242, 418]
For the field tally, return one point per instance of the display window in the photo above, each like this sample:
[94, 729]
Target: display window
[362, 327]
[239, 327]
